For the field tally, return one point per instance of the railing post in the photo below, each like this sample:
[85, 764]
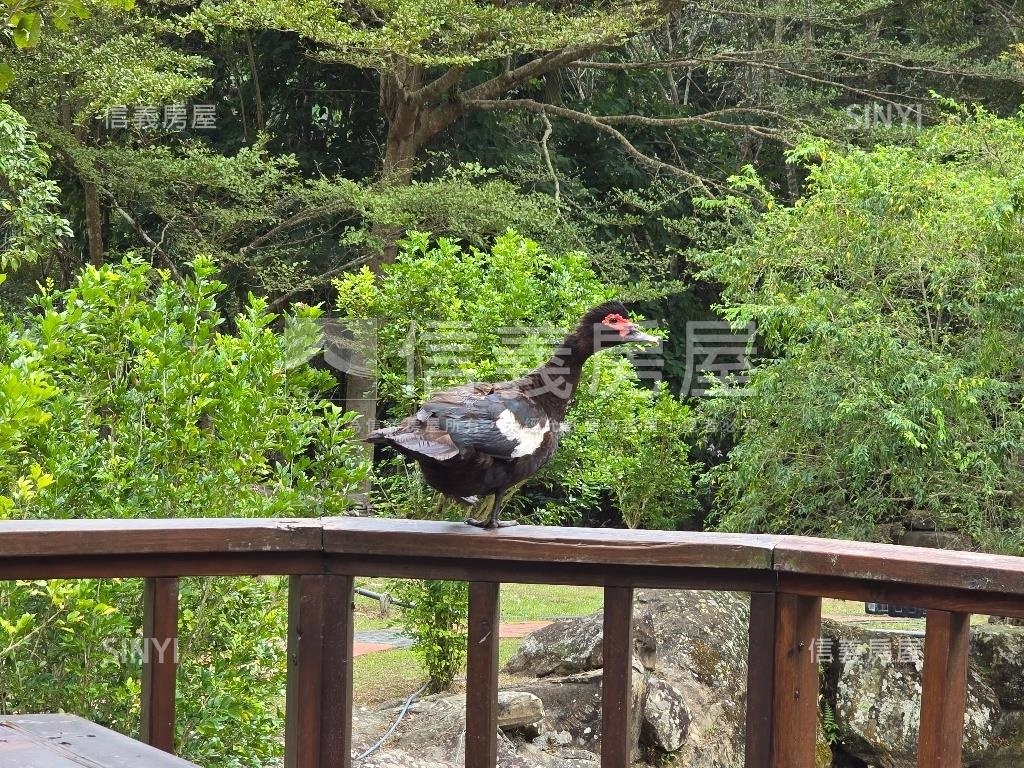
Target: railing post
[318, 725]
[617, 679]
[795, 694]
[160, 661]
[943, 689]
[760, 680]
[482, 675]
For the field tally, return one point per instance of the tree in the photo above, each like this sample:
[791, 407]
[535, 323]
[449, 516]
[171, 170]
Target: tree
[30, 223]
[889, 302]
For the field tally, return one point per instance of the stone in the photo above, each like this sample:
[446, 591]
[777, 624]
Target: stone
[694, 646]
[936, 540]
[998, 651]
[666, 718]
[519, 710]
[873, 686]
[575, 645]
[572, 708]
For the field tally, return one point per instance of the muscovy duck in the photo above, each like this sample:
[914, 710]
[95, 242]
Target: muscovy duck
[484, 438]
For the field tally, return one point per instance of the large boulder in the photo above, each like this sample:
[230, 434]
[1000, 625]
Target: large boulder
[873, 688]
[690, 712]
[575, 645]
[998, 651]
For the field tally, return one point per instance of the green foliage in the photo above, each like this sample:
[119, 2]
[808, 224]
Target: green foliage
[437, 623]
[630, 443]
[159, 412]
[30, 225]
[437, 287]
[129, 399]
[891, 295]
[460, 32]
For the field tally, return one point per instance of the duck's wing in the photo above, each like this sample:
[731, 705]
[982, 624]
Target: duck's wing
[498, 424]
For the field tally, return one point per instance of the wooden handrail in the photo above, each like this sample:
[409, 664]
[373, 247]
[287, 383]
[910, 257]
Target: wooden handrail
[786, 575]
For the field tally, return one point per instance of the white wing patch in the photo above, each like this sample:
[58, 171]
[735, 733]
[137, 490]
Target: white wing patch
[526, 439]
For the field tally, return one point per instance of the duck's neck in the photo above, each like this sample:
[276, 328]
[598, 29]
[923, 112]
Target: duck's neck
[554, 383]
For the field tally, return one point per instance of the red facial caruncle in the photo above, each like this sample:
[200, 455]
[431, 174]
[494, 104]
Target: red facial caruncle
[619, 323]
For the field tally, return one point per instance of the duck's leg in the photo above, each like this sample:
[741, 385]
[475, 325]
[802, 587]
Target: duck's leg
[492, 520]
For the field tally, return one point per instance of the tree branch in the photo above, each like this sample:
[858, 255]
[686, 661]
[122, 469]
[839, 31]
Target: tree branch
[600, 124]
[438, 86]
[141, 232]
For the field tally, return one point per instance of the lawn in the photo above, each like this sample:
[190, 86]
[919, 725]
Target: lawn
[519, 602]
[392, 675]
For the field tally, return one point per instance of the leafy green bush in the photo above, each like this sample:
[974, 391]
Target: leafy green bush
[133, 401]
[892, 296]
[436, 621]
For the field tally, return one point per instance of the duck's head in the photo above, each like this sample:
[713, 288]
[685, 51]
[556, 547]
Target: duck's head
[610, 326]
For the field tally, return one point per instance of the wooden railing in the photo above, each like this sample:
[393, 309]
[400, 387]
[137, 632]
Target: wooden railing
[785, 576]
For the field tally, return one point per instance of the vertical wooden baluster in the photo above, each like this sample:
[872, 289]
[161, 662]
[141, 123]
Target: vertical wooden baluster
[339, 674]
[795, 695]
[617, 678]
[482, 675]
[944, 689]
[318, 725]
[760, 680]
[160, 662]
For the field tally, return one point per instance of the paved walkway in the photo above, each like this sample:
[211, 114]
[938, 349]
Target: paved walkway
[376, 640]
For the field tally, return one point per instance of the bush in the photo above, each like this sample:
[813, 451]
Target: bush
[889, 302]
[437, 623]
[132, 401]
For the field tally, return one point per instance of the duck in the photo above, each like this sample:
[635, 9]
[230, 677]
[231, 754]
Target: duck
[484, 438]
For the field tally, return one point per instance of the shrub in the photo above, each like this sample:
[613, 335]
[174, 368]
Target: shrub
[135, 402]
[889, 302]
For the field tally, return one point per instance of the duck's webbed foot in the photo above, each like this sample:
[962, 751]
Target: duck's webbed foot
[492, 521]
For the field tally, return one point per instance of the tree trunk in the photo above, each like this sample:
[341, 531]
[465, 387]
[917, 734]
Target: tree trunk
[403, 142]
[94, 223]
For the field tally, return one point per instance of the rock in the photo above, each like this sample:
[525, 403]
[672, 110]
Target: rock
[666, 718]
[398, 758]
[572, 708]
[936, 540]
[998, 650]
[575, 645]
[873, 685]
[559, 757]
[694, 644]
[519, 710]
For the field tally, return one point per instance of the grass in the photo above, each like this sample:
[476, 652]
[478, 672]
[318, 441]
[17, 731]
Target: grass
[390, 676]
[519, 602]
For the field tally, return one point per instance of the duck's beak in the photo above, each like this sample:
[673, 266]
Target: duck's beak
[635, 335]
